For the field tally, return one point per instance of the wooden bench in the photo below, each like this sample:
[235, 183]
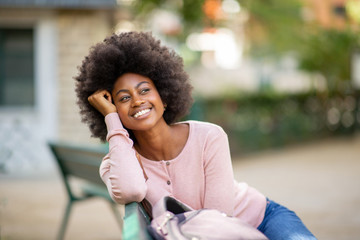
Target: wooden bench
[81, 163]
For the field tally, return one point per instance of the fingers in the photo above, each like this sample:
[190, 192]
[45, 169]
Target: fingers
[99, 94]
[107, 95]
[101, 100]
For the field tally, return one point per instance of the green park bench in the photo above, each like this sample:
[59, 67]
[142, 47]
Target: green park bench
[83, 163]
[136, 221]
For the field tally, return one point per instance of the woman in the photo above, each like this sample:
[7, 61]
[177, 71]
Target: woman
[142, 90]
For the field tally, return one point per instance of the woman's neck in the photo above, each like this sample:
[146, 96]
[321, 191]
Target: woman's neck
[163, 142]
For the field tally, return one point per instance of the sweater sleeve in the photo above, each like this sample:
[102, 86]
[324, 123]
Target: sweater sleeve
[120, 169]
[219, 179]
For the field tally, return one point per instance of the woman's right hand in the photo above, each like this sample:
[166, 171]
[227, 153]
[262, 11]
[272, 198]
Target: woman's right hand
[101, 101]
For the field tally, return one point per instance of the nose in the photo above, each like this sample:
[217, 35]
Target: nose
[137, 102]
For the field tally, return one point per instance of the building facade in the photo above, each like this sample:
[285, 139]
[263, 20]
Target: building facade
[41, 45]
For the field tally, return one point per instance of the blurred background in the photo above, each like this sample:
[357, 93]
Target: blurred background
[282, 77]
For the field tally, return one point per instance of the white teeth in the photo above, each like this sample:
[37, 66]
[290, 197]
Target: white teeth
[142, 112]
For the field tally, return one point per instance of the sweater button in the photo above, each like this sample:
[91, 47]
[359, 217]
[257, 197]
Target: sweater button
[168, 182]
[167, 163]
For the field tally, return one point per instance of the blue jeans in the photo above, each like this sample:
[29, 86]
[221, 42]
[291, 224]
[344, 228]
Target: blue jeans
[281, 223]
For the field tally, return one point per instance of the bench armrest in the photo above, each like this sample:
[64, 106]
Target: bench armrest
[135, 222]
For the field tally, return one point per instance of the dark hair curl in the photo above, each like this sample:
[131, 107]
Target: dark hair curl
[132, 52]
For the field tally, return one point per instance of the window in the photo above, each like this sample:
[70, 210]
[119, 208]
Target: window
[17, 68]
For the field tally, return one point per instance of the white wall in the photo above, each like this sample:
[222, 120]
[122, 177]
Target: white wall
[25, 130]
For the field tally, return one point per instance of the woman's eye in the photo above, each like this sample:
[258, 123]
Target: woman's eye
[145, 90]
[124, 99]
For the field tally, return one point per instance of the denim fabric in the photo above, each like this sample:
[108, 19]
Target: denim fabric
[282, 224]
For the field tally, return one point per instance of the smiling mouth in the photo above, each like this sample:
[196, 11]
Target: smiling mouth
[140, 113]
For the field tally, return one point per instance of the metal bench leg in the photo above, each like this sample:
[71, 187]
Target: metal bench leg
[64, 222]
[117, 214]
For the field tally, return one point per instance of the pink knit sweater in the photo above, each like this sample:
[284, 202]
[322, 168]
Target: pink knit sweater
[200, 176]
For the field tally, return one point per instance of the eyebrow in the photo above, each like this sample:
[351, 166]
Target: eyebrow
[125, 90]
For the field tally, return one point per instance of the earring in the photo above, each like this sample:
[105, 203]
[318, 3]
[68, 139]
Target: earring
[165, 105]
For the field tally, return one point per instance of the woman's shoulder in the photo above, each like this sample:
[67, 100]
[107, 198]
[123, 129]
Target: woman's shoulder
[200, 127]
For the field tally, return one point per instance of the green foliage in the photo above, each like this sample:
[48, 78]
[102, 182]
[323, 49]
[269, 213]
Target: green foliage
[146, 6]
[319, 50]
[261, 121]
[190, 12]
[280, 22]
[329, 52]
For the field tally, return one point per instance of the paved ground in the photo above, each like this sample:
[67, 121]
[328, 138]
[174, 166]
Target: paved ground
[320, 181]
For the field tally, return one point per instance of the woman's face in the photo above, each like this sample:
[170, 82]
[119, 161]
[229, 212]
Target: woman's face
[137, 101]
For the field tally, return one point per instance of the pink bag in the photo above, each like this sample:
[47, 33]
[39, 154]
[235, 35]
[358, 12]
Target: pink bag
[173, 220]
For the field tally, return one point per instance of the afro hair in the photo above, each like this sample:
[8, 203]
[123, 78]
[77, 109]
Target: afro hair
[132, 52]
